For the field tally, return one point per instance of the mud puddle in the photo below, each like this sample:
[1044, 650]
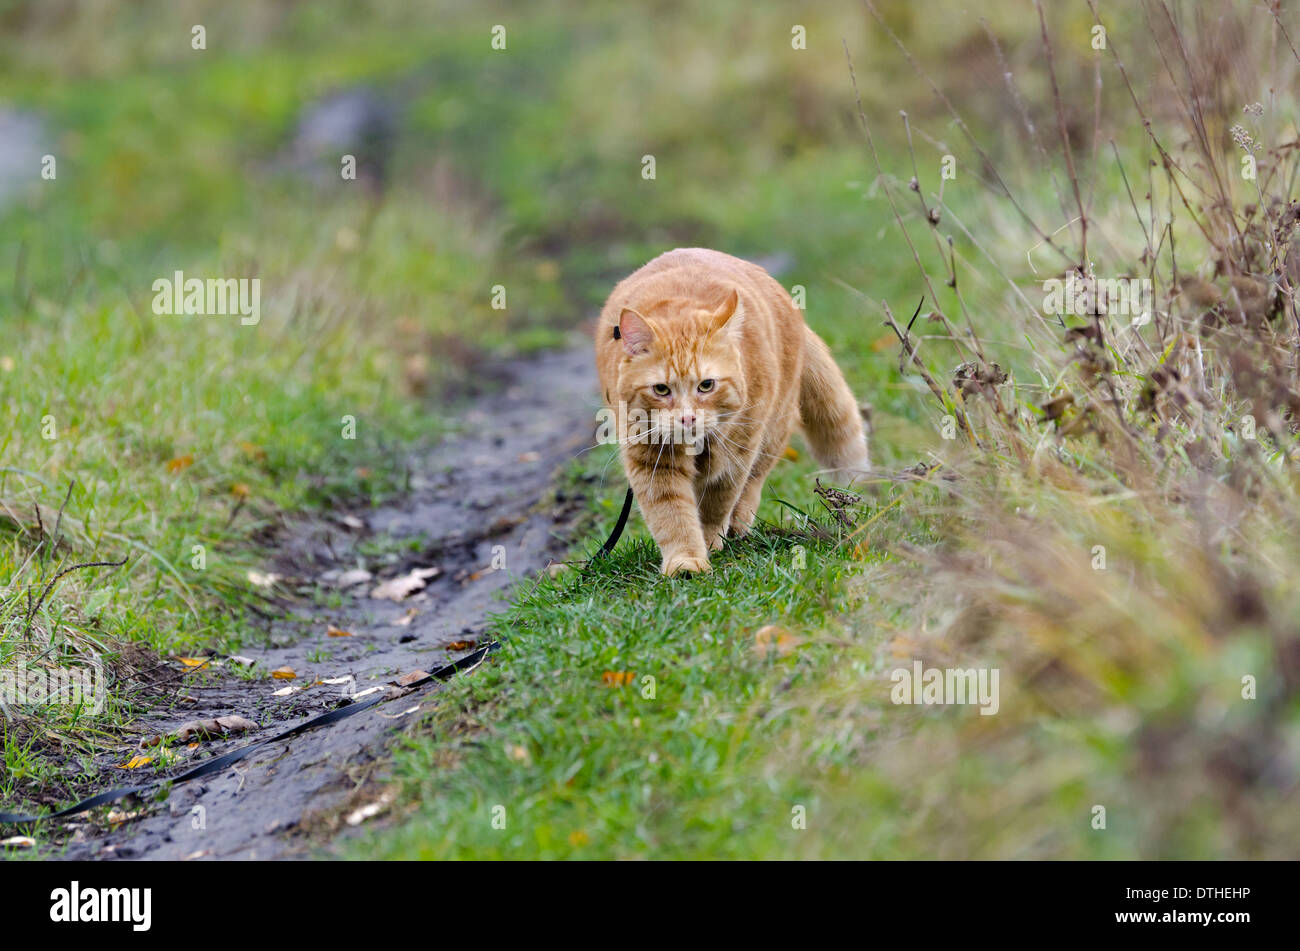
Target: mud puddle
[474, 502]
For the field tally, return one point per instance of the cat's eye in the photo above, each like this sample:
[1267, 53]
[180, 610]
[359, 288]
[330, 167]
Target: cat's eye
[706, 385]
[662, 389]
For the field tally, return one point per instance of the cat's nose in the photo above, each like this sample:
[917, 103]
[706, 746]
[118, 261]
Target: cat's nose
[688, 420]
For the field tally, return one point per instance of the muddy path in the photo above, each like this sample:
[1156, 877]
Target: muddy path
[484, 493]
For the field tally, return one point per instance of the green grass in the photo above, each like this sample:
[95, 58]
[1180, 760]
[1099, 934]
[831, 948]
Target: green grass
[659, 761]
[508, 172]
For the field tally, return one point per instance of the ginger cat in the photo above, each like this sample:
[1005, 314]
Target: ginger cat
[708, 367]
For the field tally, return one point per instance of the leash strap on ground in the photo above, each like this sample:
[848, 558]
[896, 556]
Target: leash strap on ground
[208, 767]
[621, 524]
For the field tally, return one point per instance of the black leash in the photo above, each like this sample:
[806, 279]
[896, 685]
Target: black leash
[208, 767]
[621, 524]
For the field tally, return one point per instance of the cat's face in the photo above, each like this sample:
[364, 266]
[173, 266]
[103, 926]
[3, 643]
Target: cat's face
[683, 367]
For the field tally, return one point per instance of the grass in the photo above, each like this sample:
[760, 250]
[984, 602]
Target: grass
[184, 438]
[640, 695]
[1101, 534]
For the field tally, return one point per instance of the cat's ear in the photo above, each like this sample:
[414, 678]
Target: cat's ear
[725, 314]
[635, 331]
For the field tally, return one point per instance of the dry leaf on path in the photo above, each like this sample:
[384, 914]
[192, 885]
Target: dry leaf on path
[219, 726]
[352, 578]
[358, 816]
[403, 586]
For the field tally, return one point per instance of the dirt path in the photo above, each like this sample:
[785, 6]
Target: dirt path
[479, 489]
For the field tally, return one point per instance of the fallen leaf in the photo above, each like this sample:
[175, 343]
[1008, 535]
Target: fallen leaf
[17, 842]
[193, 661]
[287, 691]
[332, 631]
[461, 645]
[529, 456]
[241, 660]
[263, 580]
[411, 677]
[791, 453]
[774, 639]
[352, 578]
[179, 463]
[135, 762]
[219, 726]
[616, 678]
[358, 816]
[284, 673]
[406, 618]
[405, 713]
[240, 490]
[403, 586]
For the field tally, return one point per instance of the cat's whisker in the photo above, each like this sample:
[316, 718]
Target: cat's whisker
[770, 455]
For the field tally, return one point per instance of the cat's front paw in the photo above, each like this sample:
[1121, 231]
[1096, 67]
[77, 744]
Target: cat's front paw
[686, 562]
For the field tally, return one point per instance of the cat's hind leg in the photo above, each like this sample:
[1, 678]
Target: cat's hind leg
[717, 501]
[751, 493]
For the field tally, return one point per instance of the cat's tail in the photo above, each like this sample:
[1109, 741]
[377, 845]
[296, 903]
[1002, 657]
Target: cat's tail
[828, 411]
